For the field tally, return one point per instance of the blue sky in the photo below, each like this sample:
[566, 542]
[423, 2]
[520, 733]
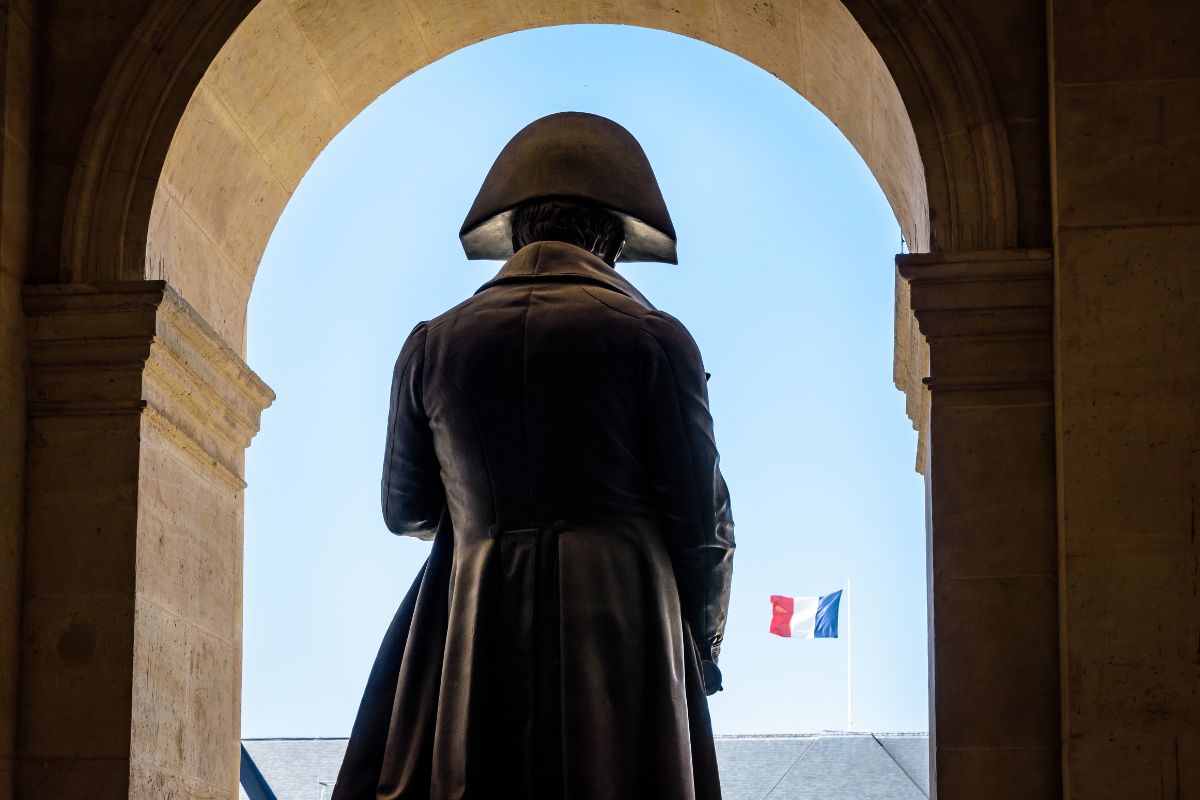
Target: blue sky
[785, 280]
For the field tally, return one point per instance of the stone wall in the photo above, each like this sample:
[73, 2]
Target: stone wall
[1126, 100]
[17, 27]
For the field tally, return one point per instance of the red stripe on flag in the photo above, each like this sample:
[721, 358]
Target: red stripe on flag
[781, 615]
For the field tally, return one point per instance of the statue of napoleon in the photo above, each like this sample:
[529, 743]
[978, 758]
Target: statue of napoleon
[551, 434]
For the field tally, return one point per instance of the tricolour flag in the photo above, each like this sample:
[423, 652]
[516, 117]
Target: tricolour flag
[806, 617]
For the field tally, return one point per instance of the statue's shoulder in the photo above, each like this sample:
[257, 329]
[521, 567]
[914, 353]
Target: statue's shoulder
[448, 316]
[660, 324]
[669, 334]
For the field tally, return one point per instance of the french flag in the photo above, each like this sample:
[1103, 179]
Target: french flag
[806, 617]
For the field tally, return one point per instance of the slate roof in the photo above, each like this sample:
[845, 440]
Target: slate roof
[824, 766]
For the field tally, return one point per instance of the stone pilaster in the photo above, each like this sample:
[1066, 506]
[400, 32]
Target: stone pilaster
[986, 320]
[138, 419]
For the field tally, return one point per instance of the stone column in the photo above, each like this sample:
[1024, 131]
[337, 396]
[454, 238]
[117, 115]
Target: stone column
[993, 543]
[132, 602]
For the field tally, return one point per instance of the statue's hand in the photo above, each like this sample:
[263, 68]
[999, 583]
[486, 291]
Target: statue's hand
[712, 677]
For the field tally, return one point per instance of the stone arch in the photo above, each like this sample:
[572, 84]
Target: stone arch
[213, 111]
[903, 82]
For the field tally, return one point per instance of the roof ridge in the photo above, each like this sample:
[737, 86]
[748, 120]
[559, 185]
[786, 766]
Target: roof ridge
[900, 766]
[913, 734]
[791, 767]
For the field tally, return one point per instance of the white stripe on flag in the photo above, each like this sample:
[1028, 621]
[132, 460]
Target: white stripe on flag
[804, 616]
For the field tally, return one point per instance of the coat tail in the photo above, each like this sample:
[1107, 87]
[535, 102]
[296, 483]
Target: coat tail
[391, 743]
[397, 752]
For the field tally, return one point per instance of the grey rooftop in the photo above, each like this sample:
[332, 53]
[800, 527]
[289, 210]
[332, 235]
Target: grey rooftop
[823, 766]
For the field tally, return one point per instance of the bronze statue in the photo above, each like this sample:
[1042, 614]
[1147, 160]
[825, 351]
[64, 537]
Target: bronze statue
[551, 434]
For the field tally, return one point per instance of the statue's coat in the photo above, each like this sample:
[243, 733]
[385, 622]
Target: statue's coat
[553, 431]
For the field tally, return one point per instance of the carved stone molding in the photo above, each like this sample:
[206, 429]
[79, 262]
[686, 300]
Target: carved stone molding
[970, 323]
[138, 347]
[956, 116]
[128, 135]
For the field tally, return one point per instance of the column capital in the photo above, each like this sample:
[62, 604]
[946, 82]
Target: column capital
[138, 347]
[986, 317]
[985, 292]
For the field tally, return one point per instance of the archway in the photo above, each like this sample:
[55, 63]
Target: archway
[188, 160]
[293, 74]
[227, 129]
[785, 237]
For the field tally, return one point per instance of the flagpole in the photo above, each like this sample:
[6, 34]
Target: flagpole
[849, 662]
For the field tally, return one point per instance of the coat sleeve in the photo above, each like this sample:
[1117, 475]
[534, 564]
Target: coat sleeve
[413, 495]
[690, 493]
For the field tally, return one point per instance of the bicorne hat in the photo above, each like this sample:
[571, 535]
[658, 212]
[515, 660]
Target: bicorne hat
[572, 154]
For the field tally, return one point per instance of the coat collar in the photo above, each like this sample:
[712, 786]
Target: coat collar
[562, 260]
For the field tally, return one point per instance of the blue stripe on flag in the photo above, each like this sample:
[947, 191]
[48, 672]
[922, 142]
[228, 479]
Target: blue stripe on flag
[827, 616]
